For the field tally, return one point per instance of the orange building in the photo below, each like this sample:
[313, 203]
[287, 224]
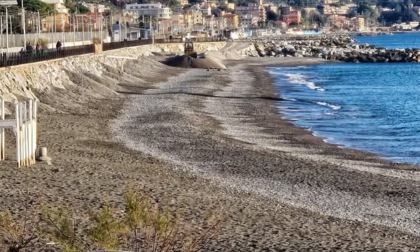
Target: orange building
[231, 21]
[294, 16]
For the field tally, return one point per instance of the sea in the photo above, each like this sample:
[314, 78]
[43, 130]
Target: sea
[372, 107]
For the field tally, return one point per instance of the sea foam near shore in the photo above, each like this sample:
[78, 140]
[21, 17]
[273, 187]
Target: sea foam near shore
[369, 107]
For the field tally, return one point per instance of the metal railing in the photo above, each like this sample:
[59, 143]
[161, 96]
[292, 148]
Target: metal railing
[24, 57]
[122, 44]
[195, 39]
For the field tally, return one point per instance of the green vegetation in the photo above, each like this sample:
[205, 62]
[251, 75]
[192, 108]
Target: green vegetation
[142, 226]
[76, 7]
[37, 5]
[15, 234]
[61, 227]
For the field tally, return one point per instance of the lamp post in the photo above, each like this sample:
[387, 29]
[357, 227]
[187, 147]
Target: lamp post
[38, 25]
[151, 28]
[7, 31]
[83, 30]
[23, 24]
[1, 28]
[119, 29]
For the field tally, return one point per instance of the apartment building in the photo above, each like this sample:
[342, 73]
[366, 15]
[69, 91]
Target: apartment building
[57, 22]
[248, 21]
[193, 17]
[154, 10]
[231, 21]
[294, 16]
[252, 9]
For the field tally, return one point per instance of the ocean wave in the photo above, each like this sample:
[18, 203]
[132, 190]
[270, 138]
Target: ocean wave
[331, 106]
[297, 78]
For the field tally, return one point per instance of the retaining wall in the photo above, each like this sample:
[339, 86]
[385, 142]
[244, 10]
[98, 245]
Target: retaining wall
[24, 81]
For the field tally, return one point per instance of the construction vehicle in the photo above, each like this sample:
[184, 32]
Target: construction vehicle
[189, 50]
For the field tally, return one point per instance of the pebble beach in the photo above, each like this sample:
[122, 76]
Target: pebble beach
[208, 141]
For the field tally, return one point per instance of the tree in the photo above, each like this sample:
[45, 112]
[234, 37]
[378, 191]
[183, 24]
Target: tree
[271, 15]
[80, 8]
[37, 5]
[365, 9]
[317, 18]
[409, 15]
[401, 13]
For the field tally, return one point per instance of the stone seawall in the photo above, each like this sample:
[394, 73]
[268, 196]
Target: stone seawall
[95, 75]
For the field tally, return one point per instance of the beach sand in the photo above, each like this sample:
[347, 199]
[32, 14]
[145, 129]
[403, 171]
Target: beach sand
[208, 142]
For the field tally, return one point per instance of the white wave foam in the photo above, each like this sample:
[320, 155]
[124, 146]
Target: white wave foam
[296, 78]
[331, 106]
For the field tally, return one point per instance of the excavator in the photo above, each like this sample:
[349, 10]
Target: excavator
[189, 50]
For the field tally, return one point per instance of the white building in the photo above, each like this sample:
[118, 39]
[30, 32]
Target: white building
[59, 6]
[149, 10]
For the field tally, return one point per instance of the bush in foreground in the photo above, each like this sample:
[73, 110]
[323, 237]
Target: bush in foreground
[142, 226]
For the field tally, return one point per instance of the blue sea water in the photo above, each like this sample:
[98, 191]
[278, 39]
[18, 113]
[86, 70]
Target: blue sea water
[371, 107]
[396, 41]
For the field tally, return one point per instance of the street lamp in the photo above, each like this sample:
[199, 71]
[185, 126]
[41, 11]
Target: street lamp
[23, 24]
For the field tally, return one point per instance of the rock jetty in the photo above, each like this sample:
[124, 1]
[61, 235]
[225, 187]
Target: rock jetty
[340, 48]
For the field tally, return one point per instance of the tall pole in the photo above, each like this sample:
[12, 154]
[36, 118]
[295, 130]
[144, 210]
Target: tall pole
[54, 27]
[74, 29]
[1, 28]
[23, 24]
[39, 25]
[7, 31]
[76, 17]
[100, 29]
[63, 38]
[119, 28]
[51, 30]
[11, 30]
[83, 31]
[125, 27]
[90, 26]
[106, 27]
[151, 30]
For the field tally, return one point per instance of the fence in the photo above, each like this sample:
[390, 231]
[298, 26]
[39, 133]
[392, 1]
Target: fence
[192, 39]
[23, 57]
[25, 127]
[67, 38]
[128, 43]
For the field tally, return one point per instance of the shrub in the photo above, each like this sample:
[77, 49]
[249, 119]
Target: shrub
[143, 226]
[97, 41]
[106, 230]
[61, 227]
[15, 233]
[43, 43]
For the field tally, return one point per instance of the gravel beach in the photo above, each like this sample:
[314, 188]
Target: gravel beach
[206, 141]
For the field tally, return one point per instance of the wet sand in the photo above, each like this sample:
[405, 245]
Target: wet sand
[212, 142]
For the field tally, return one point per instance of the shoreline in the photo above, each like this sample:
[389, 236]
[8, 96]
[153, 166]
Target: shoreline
[308, 148]
[350, 153]
[203, 120]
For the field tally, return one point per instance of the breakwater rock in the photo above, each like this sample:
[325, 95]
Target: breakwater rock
[340, 48]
